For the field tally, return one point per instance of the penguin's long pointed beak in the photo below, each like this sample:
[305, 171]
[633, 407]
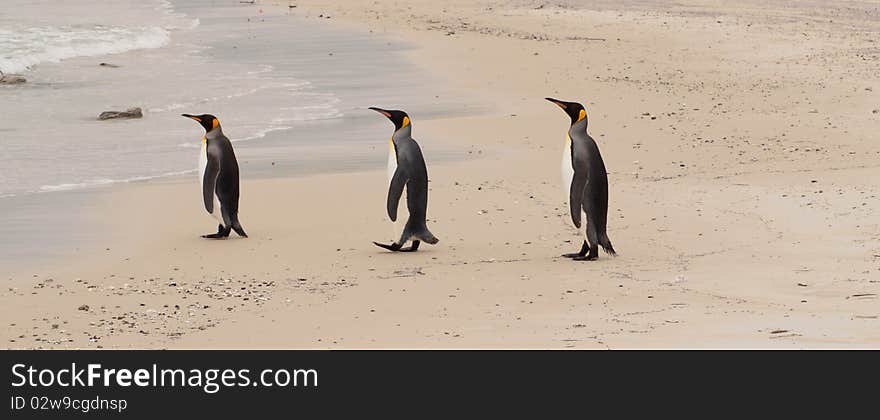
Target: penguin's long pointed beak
[193, 117]
[381, 111]
[557, 102]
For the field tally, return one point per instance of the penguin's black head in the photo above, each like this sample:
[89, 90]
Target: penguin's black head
[399, 118]
[208, 121]
[574, 110]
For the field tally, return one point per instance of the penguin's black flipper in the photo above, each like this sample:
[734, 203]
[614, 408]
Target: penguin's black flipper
[395, 191]
[576, 196]
[393, 247]
[209, 182]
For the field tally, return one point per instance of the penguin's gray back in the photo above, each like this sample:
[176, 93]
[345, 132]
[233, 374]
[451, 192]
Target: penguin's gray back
[410, 159]
[585, 156]
[217, 149]
[227, 181]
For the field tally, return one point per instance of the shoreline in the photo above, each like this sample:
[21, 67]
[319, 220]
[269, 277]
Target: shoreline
[755, 235]
[53, 225]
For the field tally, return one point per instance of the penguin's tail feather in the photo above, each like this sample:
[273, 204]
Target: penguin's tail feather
[605, 243]
[236, 226]
[425, 235]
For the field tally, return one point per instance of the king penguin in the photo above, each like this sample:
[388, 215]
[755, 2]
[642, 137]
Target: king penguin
[586, 183]
[218, 174]
[406, 168]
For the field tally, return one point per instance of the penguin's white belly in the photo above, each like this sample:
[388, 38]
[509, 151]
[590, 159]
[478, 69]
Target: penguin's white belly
[203, 165]
[392, 163]
[567, 171]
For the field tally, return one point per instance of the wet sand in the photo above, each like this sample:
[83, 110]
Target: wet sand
[740, 144]
[290, 92]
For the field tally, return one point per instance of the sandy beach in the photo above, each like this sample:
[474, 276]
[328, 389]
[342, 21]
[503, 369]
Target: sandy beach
[741, 147]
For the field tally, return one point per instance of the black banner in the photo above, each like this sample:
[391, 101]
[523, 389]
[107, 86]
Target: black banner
[415, 384]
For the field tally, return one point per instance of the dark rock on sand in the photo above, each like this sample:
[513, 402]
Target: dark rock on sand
[129, 113]
[11, 79]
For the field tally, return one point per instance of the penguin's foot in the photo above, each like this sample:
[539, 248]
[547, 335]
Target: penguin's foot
[412, 248]
[222, 233]
[393, 247]
[585, 258]
[399, 248]
[574, 255]
[218, 235]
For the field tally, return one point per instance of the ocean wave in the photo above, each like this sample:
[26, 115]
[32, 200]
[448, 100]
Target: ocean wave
[187, 25]
[104, 182]
[262, 133]
[183, 22]
[258, 135]
[181, 105]
[293, 115]
[22, 49]
[264, 68]
[322, 106]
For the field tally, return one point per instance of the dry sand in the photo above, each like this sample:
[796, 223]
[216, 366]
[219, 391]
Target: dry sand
[741, 144]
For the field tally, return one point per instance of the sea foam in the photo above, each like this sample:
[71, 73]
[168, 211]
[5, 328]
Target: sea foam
[22, 49]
